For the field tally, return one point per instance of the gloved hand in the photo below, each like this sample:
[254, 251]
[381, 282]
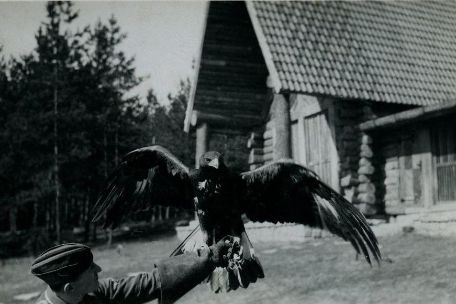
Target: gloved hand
[181, 273]
[221, 251]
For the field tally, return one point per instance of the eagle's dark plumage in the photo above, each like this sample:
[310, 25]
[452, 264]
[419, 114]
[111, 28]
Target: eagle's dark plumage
[282, 191]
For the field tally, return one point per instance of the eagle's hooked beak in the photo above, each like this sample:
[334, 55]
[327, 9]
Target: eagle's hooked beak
[214, 163]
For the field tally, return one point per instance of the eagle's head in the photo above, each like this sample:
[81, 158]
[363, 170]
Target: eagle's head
[211, 159]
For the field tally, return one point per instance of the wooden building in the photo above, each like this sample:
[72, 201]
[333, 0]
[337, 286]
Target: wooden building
[363, 93]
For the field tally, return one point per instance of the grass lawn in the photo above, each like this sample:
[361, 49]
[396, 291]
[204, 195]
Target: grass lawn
[422, 270]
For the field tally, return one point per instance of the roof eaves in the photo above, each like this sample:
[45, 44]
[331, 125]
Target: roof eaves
[407, 116]
[267, 55]
[191, 100]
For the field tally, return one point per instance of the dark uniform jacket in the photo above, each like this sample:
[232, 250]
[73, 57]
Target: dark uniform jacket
[168, 281]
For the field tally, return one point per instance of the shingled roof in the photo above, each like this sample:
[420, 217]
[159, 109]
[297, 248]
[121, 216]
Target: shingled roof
[399, 52]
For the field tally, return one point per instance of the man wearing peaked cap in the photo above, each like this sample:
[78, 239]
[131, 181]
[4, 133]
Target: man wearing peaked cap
[72, 276]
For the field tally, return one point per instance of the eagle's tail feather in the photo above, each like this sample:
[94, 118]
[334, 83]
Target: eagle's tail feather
[251, 268]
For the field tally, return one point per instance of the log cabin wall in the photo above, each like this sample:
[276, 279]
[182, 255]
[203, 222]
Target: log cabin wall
[232, 74]
[233, 147]
[231, 93]
[328, 127]
[415, 159]
[273, 140]
[404, 168]
[359, 181]
[416, 166]
[347, 116]
[261, 145]
[348, 159]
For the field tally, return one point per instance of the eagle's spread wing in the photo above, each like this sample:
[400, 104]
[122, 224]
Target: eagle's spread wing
[145, 178]
[287, 192]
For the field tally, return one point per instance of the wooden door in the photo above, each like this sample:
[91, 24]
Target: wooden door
[444, 152]
[317, 142]
[409, 175]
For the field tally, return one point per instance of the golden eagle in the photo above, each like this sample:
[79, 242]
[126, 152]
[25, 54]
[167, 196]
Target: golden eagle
[281, 191]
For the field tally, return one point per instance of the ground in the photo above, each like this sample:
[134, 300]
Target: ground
[418, 269]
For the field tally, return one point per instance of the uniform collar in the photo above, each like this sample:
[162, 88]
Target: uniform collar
[52, 298]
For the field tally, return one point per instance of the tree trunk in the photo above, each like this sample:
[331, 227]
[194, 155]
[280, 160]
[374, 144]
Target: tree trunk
[48, 217]
[85, 219]
[35, 215]
[105, 153]
[159, 213]
[94, 230]
[116, 145]
[109, 232]
[153, 216]
[105, 173]
[65, 210]
[81, 204]
[166, 212]
[13, 219]
[86, 208]
[56, 160]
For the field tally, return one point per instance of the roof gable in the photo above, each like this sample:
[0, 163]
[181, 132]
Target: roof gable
[232, 74]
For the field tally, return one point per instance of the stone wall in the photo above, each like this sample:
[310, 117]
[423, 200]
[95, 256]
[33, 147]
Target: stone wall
[268, 142]
[272, 141]
[389, 169]
[261, 146]
[366, 197]
[362, 162]
[355, 153]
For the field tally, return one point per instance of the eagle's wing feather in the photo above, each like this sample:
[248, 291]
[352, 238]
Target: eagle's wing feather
[284, 191]
[145, 178]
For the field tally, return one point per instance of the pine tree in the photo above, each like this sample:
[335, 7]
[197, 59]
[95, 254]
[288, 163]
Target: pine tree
[167, 123]
[69, 116]
[55, 64]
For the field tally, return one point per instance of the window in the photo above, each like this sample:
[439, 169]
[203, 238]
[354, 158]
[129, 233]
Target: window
[444, 150]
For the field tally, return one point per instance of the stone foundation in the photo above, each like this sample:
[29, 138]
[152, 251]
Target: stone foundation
[267, 232]
[366, 199]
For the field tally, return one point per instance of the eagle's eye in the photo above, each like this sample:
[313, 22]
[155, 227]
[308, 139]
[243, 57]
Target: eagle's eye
[207, 159]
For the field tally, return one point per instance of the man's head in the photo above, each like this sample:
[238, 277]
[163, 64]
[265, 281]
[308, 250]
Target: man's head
[68, 268]
[83, 284]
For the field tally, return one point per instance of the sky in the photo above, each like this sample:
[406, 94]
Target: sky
[163, 36]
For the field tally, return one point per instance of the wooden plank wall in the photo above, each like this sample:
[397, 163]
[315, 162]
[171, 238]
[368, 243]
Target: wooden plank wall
[404, 162]
[232, 75]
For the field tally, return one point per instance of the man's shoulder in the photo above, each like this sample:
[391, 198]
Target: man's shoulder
[42, 299]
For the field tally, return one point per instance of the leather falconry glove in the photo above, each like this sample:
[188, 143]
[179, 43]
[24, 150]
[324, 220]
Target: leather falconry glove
[181, 273]
[221, 251]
